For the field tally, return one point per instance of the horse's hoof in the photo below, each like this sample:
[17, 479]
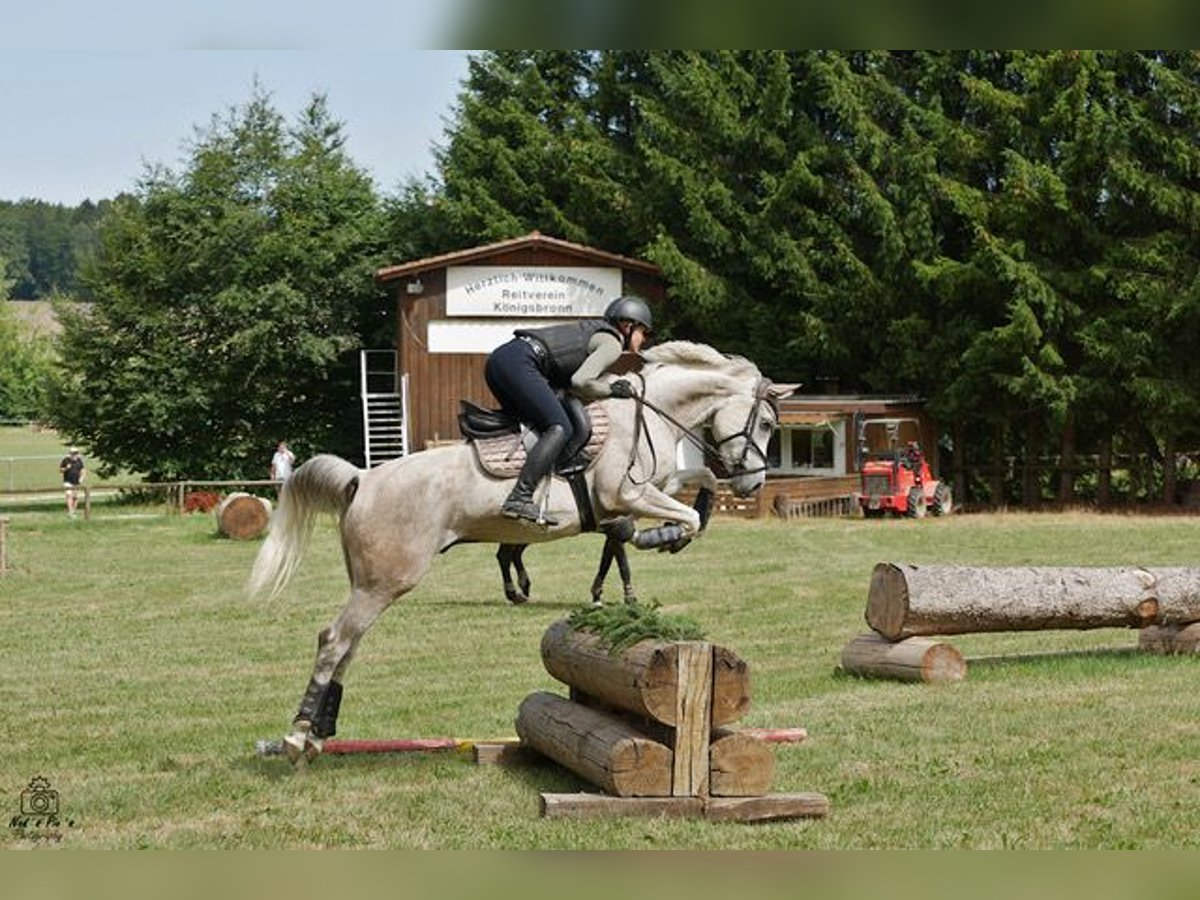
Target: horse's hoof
[631, 599]
[516, 598]
[293, 747]
[313, 747]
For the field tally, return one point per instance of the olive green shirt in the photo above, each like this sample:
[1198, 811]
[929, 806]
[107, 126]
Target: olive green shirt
[603, 350]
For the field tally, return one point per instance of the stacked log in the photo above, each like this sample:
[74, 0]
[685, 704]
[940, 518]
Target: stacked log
[911, 659]
[906, 604]
[650, 722]
[1170, 639]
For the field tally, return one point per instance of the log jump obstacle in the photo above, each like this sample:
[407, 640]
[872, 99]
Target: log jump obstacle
[647, 726]
[908, 604]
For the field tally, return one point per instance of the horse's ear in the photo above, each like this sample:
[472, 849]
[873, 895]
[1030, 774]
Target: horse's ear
[779, 391]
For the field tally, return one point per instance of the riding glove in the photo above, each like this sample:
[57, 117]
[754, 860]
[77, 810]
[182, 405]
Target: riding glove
[621, 389]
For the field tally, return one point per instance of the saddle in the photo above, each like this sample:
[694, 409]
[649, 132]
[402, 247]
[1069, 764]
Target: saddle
[500, 440]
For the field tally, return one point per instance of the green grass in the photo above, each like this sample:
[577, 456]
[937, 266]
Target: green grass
[138, 677]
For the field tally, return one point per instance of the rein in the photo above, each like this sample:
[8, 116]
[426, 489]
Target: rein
[711, 451]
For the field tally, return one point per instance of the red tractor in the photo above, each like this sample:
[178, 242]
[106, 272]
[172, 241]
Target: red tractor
[895, 474]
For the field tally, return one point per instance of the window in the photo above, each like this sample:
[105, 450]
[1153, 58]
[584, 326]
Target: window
[816, 449]
[812, 448]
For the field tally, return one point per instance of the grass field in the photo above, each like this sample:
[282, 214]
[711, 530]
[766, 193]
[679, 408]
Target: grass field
[29, 460]
[138, 677]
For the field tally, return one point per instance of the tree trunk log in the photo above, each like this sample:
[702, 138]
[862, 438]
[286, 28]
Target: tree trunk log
[740, 765]
[914, 659]
[909, 600]
[243, 516]
[642, 679]
[594, 745]
[1170, 639]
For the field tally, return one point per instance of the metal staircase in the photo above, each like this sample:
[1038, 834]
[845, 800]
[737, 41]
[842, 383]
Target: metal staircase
[384, 407]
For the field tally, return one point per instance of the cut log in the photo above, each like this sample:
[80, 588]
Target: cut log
[740, 765]
[913, 659]
[641, 679]
[595, 745]
[1170, 639]
[914, 600]
[243, 516]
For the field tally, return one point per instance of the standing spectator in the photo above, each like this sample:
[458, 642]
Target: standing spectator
[73, 471]
[282, 462]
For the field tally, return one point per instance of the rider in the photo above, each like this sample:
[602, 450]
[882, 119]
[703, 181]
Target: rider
[524, 373]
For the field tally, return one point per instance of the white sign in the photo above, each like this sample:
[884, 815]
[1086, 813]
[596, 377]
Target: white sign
[530, 291]
[477, 335]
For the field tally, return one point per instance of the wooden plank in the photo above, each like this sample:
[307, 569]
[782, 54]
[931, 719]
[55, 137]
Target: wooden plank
[809, 805]
[772, 807]
[603, 806]
[693, 705]
[500, 753]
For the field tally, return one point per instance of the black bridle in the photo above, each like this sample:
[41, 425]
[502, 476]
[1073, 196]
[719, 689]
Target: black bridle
[711, 451]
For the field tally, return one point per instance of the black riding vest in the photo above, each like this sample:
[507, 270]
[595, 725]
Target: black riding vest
[567, 346]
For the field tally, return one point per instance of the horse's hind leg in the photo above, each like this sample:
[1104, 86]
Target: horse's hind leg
[316, 719]
[623, 568]
[611, 545]
[510, 556]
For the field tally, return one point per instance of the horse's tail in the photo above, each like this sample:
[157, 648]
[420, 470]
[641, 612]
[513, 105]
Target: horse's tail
[323, 484]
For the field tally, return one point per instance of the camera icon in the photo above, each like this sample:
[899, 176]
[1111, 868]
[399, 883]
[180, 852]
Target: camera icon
[39, 799]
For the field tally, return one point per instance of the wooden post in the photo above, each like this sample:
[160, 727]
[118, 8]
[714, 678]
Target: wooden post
[3, 544]
[693, 717]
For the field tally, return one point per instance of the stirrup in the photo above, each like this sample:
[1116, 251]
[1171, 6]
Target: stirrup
[526, 510]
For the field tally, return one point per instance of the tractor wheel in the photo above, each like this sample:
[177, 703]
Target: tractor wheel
[916, 503]
[943, 500]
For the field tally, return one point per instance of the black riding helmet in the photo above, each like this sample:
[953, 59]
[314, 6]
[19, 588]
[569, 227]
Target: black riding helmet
[633, 309]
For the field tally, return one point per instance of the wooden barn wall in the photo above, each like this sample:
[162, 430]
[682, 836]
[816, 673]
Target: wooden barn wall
[437, 381]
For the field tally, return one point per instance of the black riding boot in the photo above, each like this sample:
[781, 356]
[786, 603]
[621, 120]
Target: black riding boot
[538, 461]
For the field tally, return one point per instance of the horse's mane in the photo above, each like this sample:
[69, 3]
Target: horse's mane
[686, 353]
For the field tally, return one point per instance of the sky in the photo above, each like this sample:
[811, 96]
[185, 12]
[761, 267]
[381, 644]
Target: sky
[89, 100]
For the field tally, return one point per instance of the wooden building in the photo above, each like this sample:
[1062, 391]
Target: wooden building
[454, 309]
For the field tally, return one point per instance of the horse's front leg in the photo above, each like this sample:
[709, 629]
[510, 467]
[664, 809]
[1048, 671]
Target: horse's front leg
[681, 525]
[707, 482]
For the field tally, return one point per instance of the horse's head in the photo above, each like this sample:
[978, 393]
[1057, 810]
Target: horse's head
[742, 429]
[730, 396]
